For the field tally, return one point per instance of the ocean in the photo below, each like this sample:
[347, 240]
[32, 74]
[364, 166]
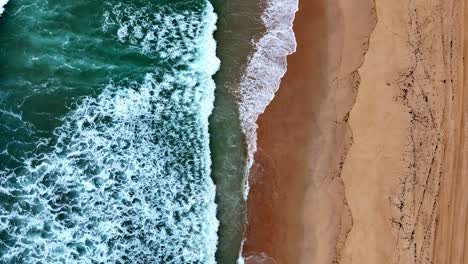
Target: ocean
[124, 136]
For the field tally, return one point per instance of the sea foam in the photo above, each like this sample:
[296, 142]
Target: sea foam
[261, 258]
[128, 178]
[263, 73]
[2, 6]
[265, 68]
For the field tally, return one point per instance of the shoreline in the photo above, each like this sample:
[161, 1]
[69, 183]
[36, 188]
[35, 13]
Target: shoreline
[361, 153]
[237, 24]
[297, 211]
[274, 227]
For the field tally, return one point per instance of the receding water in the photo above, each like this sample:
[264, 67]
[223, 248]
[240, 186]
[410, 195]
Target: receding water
[254, 39]
[239, 23]
[106, 140]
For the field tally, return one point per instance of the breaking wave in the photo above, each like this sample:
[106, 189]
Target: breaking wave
[2, 6]
[127, 178]
[262, 77]
[265, 68]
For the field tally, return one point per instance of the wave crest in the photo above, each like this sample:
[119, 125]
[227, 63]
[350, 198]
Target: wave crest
[2, 6]
[266, 67]
[128, 175]
[262, 78]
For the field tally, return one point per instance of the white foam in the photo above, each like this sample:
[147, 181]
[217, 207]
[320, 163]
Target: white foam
[264, 70]
[266, 67]
[2, 6]
[261, 258]
[122, 183]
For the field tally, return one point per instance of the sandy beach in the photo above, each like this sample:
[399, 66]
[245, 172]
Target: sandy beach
[275, 229]
[403, 123]
[361, 153]
[297, 209]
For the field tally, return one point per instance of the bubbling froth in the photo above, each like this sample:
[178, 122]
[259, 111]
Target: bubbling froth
[261, 258]
[265, 68]
[128, 179]
[262, 76]
[2, 6]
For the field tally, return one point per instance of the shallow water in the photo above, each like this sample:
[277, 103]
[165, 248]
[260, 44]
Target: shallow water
[106, 141]
[254, 40]
[239, 23]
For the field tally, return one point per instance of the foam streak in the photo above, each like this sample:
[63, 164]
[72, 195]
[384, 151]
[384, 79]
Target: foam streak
[2, 6]
[264, 71]
[266, 67]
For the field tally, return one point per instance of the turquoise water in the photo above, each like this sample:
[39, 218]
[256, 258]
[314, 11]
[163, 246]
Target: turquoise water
[254, 40]
[104, 143]
[239, 23]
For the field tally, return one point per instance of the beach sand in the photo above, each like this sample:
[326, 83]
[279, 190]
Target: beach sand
[405, 123]
[451, 229]
[362, 153]
[297, 210]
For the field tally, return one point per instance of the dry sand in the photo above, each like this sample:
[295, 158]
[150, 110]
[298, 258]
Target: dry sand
[362, 153]
[403, 124]
[451, 237]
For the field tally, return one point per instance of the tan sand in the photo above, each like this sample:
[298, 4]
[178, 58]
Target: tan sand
[403, 141]
[297, 210]
[451, 244]
[387, 183]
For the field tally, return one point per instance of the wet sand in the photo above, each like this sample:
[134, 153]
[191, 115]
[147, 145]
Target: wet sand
[277, 178]
[362, 153]
[297, 210]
